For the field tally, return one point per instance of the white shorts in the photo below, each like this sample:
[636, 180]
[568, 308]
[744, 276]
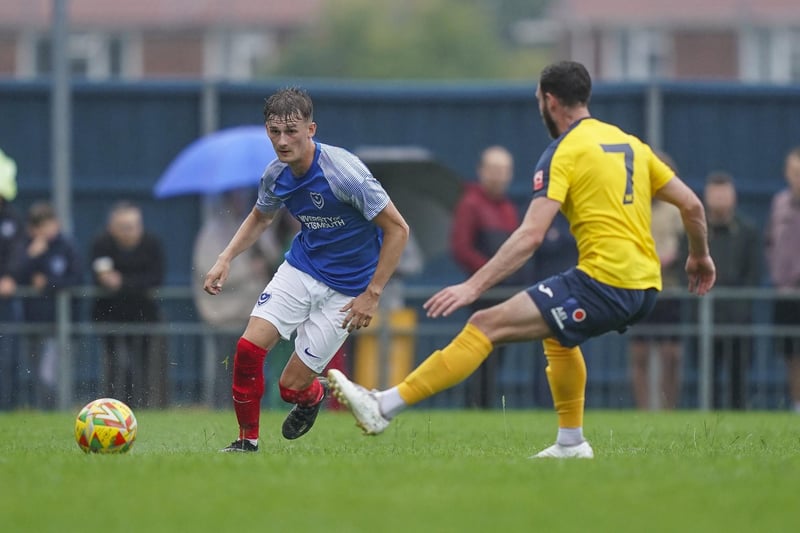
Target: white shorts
[293, 300]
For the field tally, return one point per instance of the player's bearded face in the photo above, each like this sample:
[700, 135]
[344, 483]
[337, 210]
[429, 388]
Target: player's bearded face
[547, 118]
[549, 123]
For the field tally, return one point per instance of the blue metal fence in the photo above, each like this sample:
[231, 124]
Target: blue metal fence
[197, 365]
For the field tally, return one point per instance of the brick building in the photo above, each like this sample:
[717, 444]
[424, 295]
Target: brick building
[123, 39]
[621, 40]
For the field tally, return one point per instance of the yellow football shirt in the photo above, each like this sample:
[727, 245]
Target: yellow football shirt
[605, 179]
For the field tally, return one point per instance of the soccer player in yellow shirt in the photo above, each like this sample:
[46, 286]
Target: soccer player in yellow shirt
[603, 180]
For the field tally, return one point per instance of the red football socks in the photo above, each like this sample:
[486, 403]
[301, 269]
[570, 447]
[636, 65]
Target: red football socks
[248, 386]
[311, 395]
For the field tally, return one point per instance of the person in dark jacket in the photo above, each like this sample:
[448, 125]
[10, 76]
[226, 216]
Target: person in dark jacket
[733, 240]
[127, 264]
[483, 219]
[51, 263]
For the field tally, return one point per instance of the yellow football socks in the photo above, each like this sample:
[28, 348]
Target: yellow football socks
[448, 366]
[566, 373]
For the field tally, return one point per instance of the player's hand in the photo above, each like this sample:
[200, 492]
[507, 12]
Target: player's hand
[7, 286]
[37, 246]
[216, 277]
[39, 281]
[360, 311]
[702, 274]
[449, 299]
[111, 279]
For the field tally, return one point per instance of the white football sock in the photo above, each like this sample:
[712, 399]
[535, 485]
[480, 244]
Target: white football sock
[570, 436]
[390, 403]
[254, 442]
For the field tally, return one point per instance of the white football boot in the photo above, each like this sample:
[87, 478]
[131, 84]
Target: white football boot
[361, 402]
[557, 451]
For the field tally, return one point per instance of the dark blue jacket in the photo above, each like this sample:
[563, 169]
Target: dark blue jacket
[142, 269]
[61, 264]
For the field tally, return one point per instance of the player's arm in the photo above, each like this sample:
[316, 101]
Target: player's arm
[693, 214]
[361, 309]
[699, 265]
[514, 252]
[519, 246]
[251, 228]
[395, 236]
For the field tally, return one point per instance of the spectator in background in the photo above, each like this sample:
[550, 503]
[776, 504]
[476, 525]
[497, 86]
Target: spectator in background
[247, 277]
[12, 250]
[667, 228]
[483, 219]
[731, 239]
[783, 257]
[128, 263]
[51, 263]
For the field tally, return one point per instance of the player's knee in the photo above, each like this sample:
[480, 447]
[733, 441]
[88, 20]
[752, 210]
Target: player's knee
[484, 320]
[302, 396]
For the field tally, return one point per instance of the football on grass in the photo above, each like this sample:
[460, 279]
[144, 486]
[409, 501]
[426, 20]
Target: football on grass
[105, 425]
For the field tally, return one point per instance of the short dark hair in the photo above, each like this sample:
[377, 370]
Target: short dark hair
[39, 213]
[289, 103]
[569, 81]
[120, 206]
[794, 152]
[719, 177]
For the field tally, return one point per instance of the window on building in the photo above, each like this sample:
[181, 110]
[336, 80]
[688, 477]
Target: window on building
[637, 54]
[92, 56]
[770, 54]
[755, 54]
[240, 55]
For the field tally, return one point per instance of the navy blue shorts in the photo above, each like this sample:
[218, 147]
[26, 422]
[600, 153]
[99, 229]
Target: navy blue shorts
[577, 307]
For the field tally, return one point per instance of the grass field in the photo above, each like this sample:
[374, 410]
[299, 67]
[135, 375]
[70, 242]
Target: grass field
[431, 471]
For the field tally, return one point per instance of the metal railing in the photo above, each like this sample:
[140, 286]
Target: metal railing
[195, 363]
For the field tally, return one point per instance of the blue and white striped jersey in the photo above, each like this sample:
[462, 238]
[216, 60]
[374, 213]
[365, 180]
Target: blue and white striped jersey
[335, 201]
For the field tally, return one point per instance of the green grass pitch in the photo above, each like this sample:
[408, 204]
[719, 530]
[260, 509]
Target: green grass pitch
[458, 471]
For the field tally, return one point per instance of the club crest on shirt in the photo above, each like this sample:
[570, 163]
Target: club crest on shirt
[579, 315]
[317, 199]
[264, 298]
[538, 180]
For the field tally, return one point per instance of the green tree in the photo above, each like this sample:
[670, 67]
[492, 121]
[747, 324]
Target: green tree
[403, 39]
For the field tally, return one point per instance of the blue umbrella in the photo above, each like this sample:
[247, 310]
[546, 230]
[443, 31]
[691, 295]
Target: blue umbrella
[219, 162]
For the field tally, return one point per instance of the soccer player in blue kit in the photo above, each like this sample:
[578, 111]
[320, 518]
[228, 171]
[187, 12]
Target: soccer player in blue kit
[330, 283]
[603, 180]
